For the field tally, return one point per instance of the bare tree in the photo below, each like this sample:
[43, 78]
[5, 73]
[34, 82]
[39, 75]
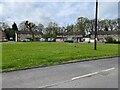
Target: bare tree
[4, 26]
[51, 30]
[31, 27]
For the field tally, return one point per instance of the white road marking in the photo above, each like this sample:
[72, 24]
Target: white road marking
[91, 74]
[86, 75]
[108, 69]
[79, 77]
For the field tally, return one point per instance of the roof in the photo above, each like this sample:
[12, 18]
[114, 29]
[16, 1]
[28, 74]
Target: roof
[107, 32]
[69, 33]
[28, 32]
[2, 32]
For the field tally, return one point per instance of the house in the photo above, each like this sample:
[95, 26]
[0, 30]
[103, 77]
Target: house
[101, 35]
[61, 37]
[22, 35]
[2, 36]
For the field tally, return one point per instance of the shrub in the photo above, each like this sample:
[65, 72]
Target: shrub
[110, 40]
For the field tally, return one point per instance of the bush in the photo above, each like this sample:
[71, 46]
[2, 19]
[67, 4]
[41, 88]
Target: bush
[111, 40]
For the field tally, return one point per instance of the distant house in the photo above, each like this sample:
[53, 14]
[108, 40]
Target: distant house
[101, 35]
[22, 35]
[61, 37]
[2, 36]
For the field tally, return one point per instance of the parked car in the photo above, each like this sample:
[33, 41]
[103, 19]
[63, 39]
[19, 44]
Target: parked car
[11, 39]
[51, 40]
[42, 39]
[86, 40]
[25, 40]
[92, 40]
[3, 40]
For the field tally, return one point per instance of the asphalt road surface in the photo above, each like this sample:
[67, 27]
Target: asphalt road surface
[89, 74]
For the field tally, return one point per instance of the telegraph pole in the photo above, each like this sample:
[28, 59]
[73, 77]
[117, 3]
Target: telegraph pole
[95, 38]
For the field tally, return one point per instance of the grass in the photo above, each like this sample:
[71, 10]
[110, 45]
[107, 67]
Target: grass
[22, 54]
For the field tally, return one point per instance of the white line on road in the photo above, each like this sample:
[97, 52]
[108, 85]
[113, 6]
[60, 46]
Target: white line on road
[108, 69]
[83, 76]
[79, 77]
[91, 74]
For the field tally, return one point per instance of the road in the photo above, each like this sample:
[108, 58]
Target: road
[89, 74]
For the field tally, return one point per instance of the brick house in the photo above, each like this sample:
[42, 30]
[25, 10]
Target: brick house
[21, 35]
[2, 36]
[101, 35]
[61, 37]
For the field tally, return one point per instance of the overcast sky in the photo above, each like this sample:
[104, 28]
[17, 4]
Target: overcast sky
[62, 13]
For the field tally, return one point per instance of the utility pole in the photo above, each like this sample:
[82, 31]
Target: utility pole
[75, 31]
[95, 38]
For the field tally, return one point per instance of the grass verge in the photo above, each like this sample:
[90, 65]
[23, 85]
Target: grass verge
[22, 55]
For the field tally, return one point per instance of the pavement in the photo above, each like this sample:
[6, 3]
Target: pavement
[101, 73]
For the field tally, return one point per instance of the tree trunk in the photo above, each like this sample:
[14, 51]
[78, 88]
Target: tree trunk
[33, 36]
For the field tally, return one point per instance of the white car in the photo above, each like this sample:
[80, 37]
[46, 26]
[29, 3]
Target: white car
[25, 40]
[86, 39]
[42, 39]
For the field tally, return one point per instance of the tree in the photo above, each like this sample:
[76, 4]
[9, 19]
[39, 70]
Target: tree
[106, 28]
[91, 25]
[82, 24]
[101, 24]
[3, 26]
[28, 26]
[40, 27]
[31, 27]
[14, 27]
[69, 28]
[108, 24]
[10, 33]
[22, 26]
[114, 24]
[51, 30]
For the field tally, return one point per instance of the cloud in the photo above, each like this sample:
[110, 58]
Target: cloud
[60, 12]
[0, 9]
[108, 10]
[59, 0]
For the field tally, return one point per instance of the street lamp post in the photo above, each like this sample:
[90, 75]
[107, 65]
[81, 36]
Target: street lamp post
[75, 31]
[95, 39]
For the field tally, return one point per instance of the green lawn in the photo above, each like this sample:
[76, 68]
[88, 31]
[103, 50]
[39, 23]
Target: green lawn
[22, 54]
